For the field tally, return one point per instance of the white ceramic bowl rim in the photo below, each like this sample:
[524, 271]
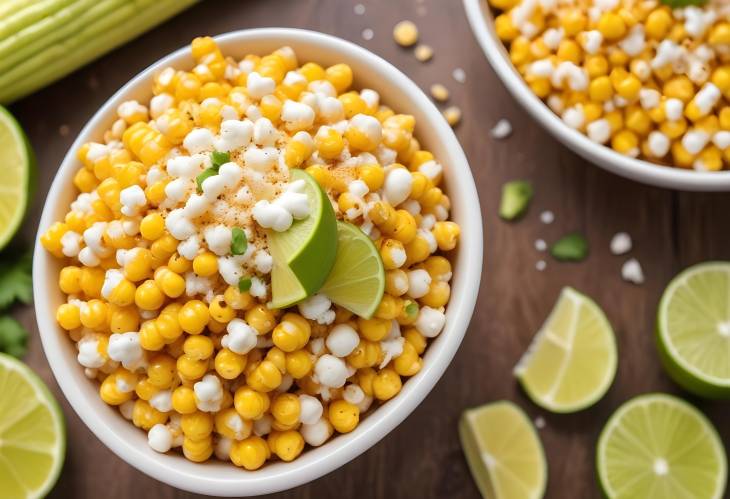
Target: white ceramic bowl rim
[223, 479]
[603, 156]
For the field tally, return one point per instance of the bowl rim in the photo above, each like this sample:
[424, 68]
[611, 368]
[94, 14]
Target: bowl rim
[176, 471]
[482, 25]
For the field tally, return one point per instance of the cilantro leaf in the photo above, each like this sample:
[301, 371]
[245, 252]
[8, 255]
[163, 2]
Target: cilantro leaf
[15, 281]
[411, 309]
[208, 172]
[217, 158]
[239, 242]
[13, 337]
[244, 284]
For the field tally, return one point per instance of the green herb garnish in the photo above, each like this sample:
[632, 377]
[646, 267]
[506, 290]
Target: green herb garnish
[208, 172]
[239, 242]
[218, 158]
[516, 196]
[244, 284]
[13, 337]
[411, 309]
[16, 282]
[572, 247]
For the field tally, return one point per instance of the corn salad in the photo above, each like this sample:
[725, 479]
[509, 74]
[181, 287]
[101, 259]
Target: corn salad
[647, 80]
[169, 310]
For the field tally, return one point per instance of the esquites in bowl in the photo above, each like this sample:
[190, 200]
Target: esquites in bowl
[257, 258]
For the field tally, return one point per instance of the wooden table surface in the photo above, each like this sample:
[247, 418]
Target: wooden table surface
[422, 457]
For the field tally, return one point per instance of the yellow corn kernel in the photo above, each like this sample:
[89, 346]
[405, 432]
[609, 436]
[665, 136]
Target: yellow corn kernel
[205, 264]
[198, 451]
[297, 152]
[446, 234]
[85, 181]
[69, 280]
[343, 416]
[286, 408]
[270, 108]
[710, 159]
[228, 364]
[110, 393]
[674, 129]
[51, 240]
[393, 254]
[168, 327]
[611, 26]
[68, 316]
[725, 118]
[519, 51]
[637, 120]
[260, 318]
[396, 281]
[569, 50]
[172, 284]
[680, 87]
[145, 416]
[123, 319]
[196, 425]
[389, 308]
[374, 329]
[198, 347]
[152, 226]
[91, 281]
[383, 215]
[150, 337]
[373, 175]
[365, 379]
[600, 89]
[161, 371]
[720, 34]
[292, 333]
[249, 403]
[681, 156]
[194, 316]
[625, 142]
[264, 377]
[505, 28]
[220, 311]
[405, 227]
[250, 453]
[340, 76]
[596, 65]
[298, 364]
[627, 86]
[573, 22]
[191, 369]
[408, 363]
[183, 400]
[416, 339]
[658, 23]
[438, 294]
[366, 354]
[94, 315]
[236, 299]
[329, 143]
[387, 384]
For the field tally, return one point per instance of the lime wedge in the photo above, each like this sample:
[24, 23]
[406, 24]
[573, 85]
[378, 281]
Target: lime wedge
[694, 329]
[504, 453]
[17, 161]
[572, 360]
[357, 279]
[32, 433]
[304, 254]
[657, 446]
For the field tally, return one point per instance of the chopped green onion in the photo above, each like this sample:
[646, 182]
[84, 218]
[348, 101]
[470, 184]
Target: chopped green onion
[683, 3]
[516, 196]
[239, 242]
[244, 284]
[217, 158]
[411, 309]
[572, 247]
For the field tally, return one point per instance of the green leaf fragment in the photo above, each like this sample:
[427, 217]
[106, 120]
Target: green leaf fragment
[411, 309]
[208, 172]
[13, 337]
[218, 158]
[244, 284]
[516, 196]
[15, 281]
[239, 241]
[573, 247]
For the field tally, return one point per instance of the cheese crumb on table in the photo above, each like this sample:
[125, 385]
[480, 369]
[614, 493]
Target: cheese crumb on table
[620, 243]
[439, 92]
[631, 271]
[502, 129]
[423, 52]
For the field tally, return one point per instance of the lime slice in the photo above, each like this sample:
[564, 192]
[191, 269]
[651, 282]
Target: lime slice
[32, 433]
[694, 329]
[504, 453]
[657, 446]
[304, 254]
[17, 161]
[357, 279]
[572, 360]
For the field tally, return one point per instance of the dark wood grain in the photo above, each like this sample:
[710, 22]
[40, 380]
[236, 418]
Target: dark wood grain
[422, 458]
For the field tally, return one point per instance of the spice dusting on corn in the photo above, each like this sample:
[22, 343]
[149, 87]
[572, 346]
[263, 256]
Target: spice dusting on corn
[167, 265]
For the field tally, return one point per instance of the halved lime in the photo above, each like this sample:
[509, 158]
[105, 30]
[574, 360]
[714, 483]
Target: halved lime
[304, 254]
[32, 433]
[504, 453]
[693, 329]
[357, 279]
[17, 161]
[572, 360]
[657, 446]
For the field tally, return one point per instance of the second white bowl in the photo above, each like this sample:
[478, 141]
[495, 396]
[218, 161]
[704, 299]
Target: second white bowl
[482, 24]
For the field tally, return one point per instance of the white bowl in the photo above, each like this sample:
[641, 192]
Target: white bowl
[482, 24]
[224, 479]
